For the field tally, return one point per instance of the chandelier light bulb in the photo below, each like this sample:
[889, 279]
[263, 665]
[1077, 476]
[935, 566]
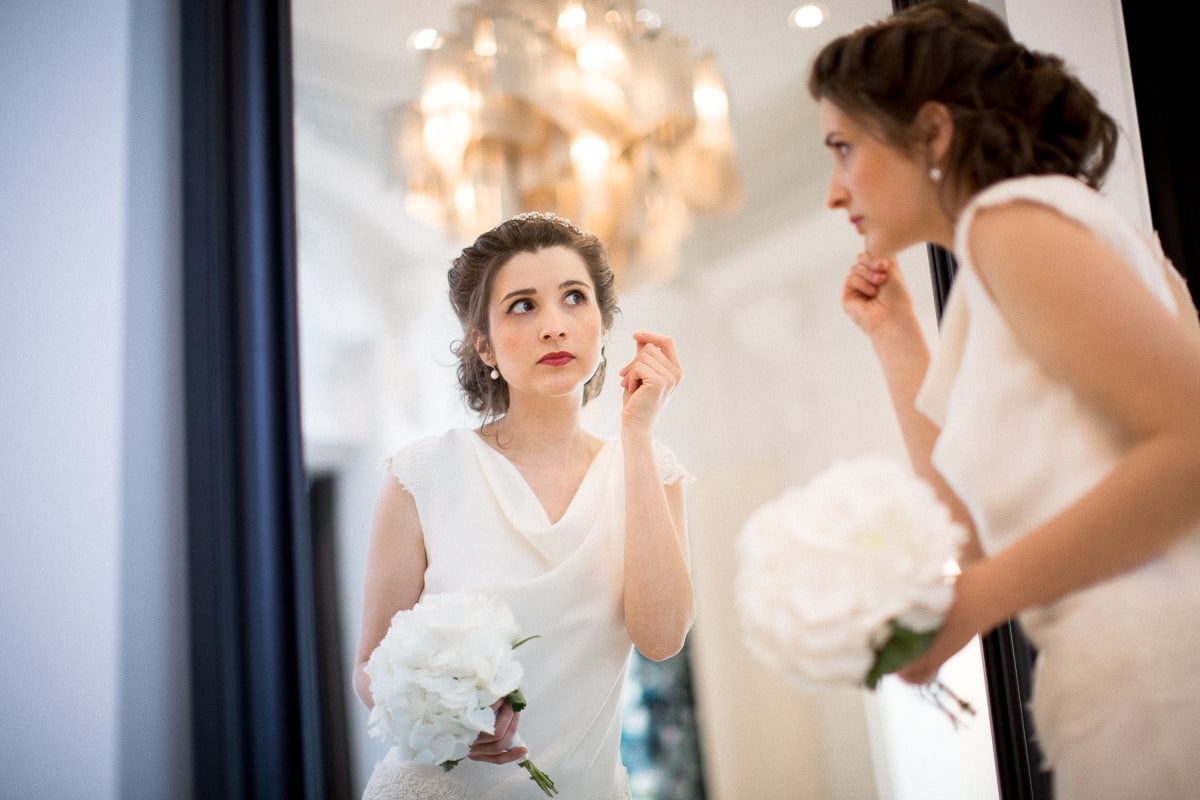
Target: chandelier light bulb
[711, 102]
[445, 96]
[425, 39]
[590, 154]
[600, 56]
[572, 24]
[485, 39]
[446, 138]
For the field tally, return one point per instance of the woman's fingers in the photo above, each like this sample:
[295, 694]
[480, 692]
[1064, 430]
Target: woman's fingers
[865, 277]
[874, 271]
[497, 747]
[663, 342]
[656, 363]
[919, 672]
[973, 611]
[860, 285]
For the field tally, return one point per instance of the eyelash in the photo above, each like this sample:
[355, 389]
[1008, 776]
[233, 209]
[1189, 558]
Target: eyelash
[576, 293]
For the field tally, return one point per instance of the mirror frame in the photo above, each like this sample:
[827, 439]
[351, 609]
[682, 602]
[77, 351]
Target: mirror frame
[256, 711]
[256, 726]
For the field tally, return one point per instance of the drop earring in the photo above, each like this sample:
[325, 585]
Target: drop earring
[494, 374]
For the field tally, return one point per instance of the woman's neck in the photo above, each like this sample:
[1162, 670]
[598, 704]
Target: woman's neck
[547, 425]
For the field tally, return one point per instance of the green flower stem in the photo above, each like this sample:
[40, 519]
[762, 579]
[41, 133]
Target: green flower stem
[903, 646]
[540, 778]
[517, 700]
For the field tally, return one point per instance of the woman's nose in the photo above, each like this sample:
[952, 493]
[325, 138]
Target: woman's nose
[553, 328]
[835, 195]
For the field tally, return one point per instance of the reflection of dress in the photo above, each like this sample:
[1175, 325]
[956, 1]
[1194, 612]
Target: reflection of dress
[485, 531]
[1117, 685]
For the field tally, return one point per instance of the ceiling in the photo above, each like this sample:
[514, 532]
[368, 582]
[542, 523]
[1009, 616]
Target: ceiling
[361, 46]
[352, 65]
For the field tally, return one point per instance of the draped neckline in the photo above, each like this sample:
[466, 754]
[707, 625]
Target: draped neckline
[517, 497]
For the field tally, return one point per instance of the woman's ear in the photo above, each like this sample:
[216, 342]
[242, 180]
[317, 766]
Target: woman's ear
[483, 348]
[936, 128]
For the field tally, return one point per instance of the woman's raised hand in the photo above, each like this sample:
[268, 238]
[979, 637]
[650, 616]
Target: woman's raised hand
[648, 380]
[875, 292]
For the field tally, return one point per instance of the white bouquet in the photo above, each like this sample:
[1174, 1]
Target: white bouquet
[437, 673]
[849, 577]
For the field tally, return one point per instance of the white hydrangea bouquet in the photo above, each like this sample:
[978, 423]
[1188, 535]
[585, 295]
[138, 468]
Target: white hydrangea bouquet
[848, 578]
[438, 671]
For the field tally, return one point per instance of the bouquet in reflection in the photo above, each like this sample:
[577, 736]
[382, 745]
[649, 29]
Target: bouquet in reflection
[849, 577]
[438, 671]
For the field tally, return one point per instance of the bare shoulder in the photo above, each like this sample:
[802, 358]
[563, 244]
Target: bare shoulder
[1025, 233]
[1035, 260]
[396, 510]
[1080, 310]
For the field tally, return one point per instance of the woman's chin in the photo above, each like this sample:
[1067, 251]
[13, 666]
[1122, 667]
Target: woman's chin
[885, 247]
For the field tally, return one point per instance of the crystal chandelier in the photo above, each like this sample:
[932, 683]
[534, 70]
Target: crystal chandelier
[587, 109]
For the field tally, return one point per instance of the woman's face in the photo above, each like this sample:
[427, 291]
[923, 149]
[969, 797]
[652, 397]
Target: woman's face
[545, 324]
[886, 191]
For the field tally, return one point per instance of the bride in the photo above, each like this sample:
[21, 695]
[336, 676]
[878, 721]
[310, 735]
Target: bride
[1059, 414]
[583, 538]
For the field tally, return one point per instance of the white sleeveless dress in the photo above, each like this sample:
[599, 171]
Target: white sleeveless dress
[485, 531]
[1116, 697]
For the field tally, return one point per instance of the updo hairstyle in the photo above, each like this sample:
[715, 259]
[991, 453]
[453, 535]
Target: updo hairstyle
[1015, 112]
[471, 278]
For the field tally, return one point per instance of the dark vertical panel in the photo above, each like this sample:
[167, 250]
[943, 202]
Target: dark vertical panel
[335, 753]
[1158, 51]
[941, 273]
[1008, 659]
[252, 632]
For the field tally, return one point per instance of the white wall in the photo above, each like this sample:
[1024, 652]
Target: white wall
[1089, 35]
[92, 587]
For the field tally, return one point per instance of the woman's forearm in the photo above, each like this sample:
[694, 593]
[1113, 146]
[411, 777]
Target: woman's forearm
[1142, 508]
[658, 593]
[904, 358]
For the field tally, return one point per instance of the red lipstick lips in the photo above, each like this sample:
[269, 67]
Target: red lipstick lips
[556, 359]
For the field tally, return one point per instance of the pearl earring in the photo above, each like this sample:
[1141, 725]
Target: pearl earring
[935, 174]
[494, 374]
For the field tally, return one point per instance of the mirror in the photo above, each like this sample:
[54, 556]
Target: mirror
[778, 383]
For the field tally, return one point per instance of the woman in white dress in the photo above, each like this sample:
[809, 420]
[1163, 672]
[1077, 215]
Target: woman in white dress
[1060, 414]
[585, 539]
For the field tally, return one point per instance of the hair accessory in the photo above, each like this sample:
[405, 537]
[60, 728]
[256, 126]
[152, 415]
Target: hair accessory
[935, 174]
[494, 374]
[544, 216]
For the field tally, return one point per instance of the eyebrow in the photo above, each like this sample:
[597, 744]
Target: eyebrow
[527, 292]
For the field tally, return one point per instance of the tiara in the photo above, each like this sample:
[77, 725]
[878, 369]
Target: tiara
[544, 216]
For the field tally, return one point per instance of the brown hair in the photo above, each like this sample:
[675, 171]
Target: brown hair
[471, 278]
[1015, 112]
